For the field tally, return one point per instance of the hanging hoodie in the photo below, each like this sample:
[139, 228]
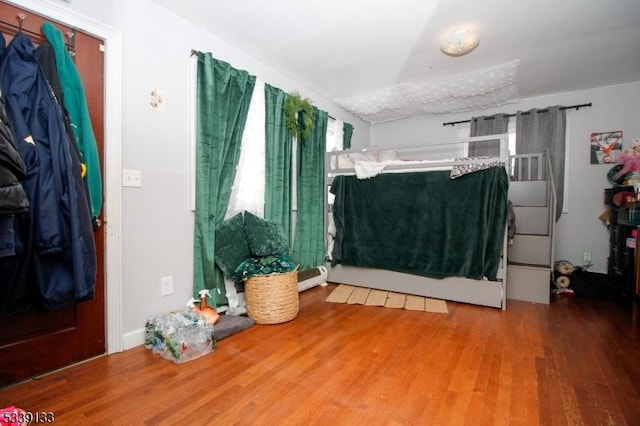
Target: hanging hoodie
[75, 102]
[55, 261]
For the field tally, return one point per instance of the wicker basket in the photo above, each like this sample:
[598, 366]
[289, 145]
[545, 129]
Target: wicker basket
[272, 299]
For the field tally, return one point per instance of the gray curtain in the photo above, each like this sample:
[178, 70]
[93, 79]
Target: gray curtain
[489, 125]
[540, 129]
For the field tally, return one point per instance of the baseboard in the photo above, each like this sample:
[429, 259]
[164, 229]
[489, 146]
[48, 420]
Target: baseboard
[133, 339]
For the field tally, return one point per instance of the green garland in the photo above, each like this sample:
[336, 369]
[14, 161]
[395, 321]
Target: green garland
[295, 104]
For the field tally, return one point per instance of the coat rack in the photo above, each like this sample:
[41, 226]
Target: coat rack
[19, 28]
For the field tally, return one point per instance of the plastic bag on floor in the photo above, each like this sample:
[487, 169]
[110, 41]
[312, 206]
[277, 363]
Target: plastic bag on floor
[179, 336]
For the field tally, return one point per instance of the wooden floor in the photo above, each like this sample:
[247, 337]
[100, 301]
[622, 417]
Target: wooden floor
[572, 362]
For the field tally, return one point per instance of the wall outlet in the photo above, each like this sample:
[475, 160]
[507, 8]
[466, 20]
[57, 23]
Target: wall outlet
[586, 256]
[166, 286]
[132, 178]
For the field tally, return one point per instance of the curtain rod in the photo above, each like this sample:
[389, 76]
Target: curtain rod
[576, 107]
[195, 52]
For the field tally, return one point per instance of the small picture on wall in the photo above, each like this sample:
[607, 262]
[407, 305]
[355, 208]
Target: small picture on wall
[605, 146]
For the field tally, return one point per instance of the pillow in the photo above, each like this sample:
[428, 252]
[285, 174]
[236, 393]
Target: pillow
[231, 245]
[344, 162]
[266, 238]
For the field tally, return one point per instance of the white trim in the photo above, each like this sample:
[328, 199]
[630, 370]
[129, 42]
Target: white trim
[113, 163]
[134, 338]
[113, 184]
[191, 90]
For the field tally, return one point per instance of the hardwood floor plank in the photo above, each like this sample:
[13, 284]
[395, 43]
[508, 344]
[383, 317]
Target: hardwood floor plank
[573, 361]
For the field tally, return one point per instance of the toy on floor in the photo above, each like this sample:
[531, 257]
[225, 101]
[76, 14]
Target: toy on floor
[562, 271]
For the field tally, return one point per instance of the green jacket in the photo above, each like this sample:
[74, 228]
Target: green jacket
[75, 102]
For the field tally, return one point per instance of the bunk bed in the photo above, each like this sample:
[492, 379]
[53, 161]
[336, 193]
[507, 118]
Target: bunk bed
[428, 220]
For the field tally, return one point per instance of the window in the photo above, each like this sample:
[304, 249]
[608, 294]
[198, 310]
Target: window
[464, 130]
[334, 135]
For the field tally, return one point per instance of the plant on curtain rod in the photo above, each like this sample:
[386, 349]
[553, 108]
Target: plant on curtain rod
[293, 106]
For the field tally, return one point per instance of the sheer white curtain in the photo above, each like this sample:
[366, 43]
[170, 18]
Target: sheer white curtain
[248, 187]
[334, 134]
[247, 192]
[335, 140]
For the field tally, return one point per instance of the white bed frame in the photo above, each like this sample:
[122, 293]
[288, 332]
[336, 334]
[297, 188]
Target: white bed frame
[458, 289]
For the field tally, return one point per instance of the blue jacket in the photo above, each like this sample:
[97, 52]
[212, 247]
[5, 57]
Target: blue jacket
[55, 262]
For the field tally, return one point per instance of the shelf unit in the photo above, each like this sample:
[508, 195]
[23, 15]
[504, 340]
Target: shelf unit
[622, 263]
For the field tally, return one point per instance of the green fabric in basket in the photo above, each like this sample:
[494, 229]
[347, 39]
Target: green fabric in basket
[263, 266]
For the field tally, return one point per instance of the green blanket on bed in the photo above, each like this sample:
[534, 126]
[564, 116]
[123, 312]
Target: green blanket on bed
[422, 223]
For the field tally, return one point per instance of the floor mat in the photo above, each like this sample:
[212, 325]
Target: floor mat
[365, 296]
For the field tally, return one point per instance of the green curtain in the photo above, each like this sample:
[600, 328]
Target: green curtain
[308, 246]
[223, 97]
[277, 197]
[347, 131]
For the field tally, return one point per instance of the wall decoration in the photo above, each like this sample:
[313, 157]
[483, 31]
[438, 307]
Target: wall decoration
[605, 146]
[293, 105]
[156, 99]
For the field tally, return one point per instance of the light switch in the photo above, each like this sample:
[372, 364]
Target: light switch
[166, 285]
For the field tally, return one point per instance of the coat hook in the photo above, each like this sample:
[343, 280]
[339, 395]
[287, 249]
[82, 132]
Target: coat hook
[72, 42]
[21, 17]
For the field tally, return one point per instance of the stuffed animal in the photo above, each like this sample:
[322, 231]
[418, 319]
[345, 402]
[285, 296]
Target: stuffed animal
[630, 160]
[562, 271]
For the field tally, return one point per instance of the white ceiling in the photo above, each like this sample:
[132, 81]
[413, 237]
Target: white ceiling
[381, 60]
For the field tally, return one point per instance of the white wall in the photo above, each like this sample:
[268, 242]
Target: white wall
[578, 230]
[157, 225]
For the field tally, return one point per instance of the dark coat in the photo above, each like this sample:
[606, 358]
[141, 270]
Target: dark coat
[13, 199]
[55, 262]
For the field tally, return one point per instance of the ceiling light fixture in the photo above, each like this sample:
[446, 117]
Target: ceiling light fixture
[460, 43]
